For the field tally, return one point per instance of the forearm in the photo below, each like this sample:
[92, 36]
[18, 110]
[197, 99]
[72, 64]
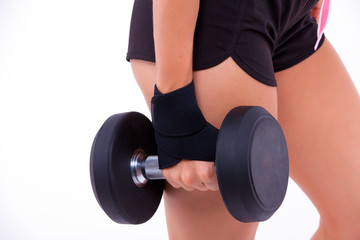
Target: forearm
[174, 27]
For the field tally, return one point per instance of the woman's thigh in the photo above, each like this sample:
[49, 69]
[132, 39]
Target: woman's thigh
[202, 215]
[319, 111]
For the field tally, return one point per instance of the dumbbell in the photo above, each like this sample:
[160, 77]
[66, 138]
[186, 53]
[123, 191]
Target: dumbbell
[251, 166]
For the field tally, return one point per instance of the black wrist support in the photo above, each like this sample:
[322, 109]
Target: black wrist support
[181, 131]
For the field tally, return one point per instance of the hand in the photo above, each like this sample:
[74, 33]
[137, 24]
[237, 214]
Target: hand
[315, 12]
[191, 175]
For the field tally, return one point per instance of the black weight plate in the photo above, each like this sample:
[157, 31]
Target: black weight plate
[252, 164]
[111, 152]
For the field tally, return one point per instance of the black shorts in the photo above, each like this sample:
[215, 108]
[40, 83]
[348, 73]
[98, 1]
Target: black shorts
[262, 36]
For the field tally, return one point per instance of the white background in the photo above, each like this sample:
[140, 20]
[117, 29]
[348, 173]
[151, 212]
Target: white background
[62, 73]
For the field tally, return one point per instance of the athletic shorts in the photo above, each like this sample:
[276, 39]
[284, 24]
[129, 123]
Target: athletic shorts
[262, 36]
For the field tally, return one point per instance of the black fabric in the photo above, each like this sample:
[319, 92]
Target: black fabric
[181, 131]
[261, 36]
[176, 113]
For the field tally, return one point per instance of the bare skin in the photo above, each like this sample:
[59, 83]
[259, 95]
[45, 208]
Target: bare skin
[315, 102]
[202, 214]
[315, 12]
[319, 111]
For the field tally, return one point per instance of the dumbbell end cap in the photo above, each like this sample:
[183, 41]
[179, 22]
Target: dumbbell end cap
[113, 186]
[251, 164]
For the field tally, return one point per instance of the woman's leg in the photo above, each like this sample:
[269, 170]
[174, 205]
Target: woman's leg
[319, 110]
[196, 214]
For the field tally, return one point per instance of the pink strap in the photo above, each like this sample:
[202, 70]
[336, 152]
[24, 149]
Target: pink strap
[324, 16]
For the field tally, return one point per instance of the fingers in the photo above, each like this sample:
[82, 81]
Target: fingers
[173, 176]
[207, 175]
[191, 175]
[315, 12]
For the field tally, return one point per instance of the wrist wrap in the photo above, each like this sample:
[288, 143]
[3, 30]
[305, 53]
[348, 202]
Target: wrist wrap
[181, 131]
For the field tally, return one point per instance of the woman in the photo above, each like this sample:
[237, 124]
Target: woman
[255, 53]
